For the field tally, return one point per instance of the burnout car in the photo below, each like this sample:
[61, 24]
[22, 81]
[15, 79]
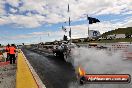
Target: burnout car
[64, 50]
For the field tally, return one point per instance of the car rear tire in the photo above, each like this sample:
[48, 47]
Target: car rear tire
[65, 56]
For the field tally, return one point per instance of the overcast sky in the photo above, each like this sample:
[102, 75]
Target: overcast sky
[32, 21]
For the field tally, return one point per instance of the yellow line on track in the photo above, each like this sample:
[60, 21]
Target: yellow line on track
[24, 77]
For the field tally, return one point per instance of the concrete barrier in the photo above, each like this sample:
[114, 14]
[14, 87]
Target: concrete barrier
[26, 75]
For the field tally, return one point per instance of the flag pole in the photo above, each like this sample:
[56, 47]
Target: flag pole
[88, 27]
[88, 30]
[70, 31]
[91, 21]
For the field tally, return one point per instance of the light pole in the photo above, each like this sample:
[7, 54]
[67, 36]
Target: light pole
[69, 23]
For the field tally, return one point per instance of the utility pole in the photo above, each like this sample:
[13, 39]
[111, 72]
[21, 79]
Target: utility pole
[69, 23]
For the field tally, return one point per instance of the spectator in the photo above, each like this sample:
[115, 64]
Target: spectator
[7, 51]
[12, 52]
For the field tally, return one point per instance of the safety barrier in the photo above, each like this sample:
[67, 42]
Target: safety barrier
[26, 76]
[127, 54]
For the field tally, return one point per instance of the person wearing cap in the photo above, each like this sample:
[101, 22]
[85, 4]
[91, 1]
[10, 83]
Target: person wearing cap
[12, 52]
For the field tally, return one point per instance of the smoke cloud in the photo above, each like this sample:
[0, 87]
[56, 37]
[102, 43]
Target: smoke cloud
[101, 62]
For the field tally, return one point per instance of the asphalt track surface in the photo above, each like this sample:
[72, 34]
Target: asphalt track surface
[54, 72]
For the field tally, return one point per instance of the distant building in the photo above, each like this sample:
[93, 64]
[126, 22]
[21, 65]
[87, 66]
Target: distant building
[115, 36]
[111, 36]
[120, 36]
[94, 33]
[102, 38]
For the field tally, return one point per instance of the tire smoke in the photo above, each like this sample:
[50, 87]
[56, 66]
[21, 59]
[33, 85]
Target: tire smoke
[101, 62]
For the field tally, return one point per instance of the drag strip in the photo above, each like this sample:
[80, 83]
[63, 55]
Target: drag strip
[54, 72]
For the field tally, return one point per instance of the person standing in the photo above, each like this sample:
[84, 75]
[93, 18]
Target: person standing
[12, 52]
[7, 51]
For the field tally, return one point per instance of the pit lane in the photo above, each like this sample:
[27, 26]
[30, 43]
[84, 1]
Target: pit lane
[54, 72]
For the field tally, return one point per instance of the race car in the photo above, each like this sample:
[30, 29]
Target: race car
[64, 50]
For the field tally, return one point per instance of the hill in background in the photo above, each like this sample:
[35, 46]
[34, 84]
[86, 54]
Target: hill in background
[118, 31]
